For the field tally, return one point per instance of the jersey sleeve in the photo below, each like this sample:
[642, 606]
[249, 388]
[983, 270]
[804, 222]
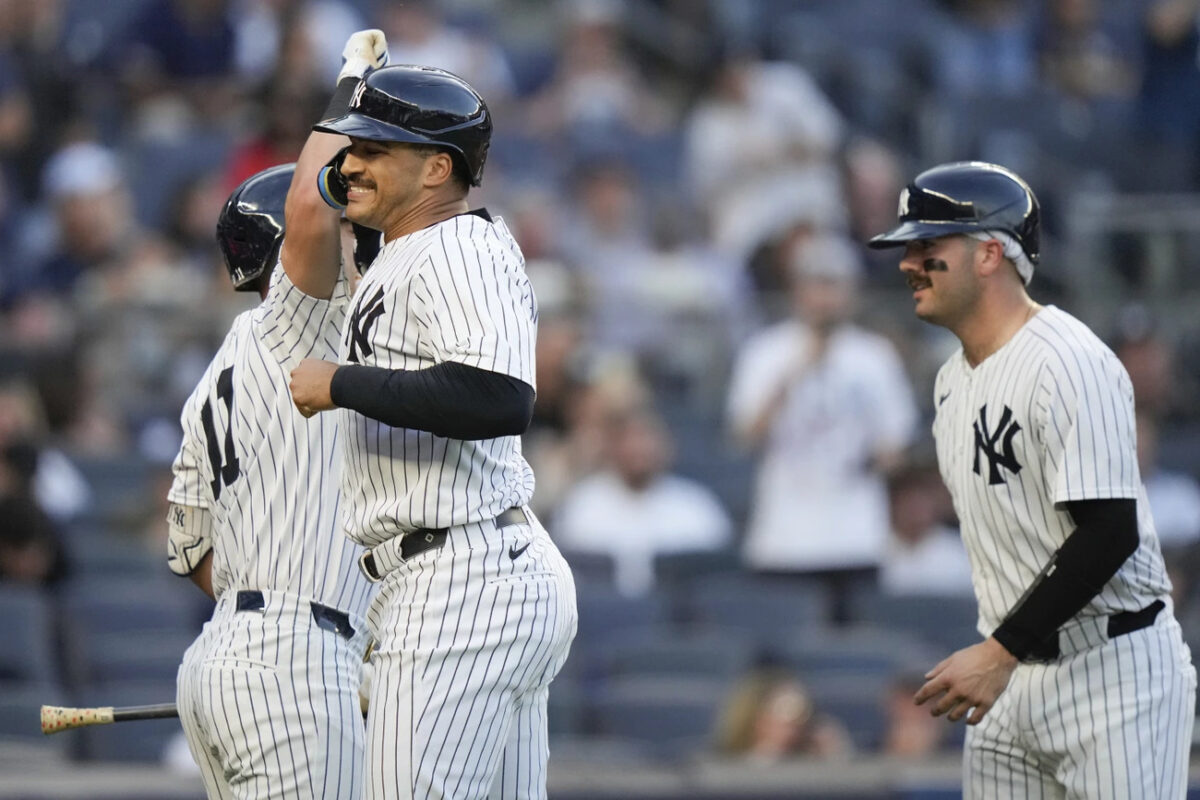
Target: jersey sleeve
[189, 496]
[1084, 403]
[295, 325]
[478, 306]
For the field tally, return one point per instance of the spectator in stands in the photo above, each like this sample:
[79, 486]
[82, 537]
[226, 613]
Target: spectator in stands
[596, 98]
[759, 152]
[30, 549]
[911, 732]
[317, 30]
[1079, 57]
[1174, 496]
[176, 61]
[634, 508]
[417, 33]
[923, 555]
[769, 717]
[985, 46]
[1169, 99]
[1149, 358]
[829, 408]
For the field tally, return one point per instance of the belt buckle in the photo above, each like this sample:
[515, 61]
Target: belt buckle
[367, 568]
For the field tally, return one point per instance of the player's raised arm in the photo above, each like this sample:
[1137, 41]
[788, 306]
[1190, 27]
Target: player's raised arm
[311, 250]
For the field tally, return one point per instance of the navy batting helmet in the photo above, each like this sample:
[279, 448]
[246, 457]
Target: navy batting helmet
[250, 229]
[966, 197]
[419, 105]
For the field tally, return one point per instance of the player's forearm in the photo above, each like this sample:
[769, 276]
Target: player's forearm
[450, 399]
[311, 253]
[1106, 534]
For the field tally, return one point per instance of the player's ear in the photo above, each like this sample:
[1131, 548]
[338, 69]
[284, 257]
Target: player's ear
[989, 256]
[439, 169]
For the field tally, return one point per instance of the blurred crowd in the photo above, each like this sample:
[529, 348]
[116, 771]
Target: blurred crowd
[724, 371]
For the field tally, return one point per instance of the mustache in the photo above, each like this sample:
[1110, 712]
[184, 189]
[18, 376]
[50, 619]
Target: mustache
[935, 265]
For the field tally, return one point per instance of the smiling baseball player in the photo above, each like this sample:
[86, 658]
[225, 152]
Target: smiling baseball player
[1083, 686]
[268, 693]
[476, 607]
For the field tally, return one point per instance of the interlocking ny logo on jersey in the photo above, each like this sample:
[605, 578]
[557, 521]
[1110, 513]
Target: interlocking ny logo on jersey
[361, 322]
[985, 443]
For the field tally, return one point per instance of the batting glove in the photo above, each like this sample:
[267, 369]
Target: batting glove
[365, 52]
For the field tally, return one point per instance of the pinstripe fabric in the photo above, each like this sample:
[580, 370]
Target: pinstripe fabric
[267, 699]
[1046, 419]
[1109, 723]
[1073, 403]
[455, 291]
[270, 703]
[468, 640]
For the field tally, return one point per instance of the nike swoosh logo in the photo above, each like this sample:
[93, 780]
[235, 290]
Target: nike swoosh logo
[942, 399]
[513, 552]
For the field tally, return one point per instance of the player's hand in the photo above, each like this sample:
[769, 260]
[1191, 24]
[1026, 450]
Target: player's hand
[970, 680]
[310, 386]
[365, 52]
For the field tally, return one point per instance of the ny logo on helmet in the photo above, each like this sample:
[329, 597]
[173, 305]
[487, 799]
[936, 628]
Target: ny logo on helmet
[903, 202]
[985, 442]
[356, 98]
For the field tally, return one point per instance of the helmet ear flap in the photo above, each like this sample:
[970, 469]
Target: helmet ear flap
[332, 184]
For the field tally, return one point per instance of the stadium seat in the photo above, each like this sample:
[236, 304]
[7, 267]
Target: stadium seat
[604, 613]
[670, 716]
[711, 654]
[27, 643]
[947, 623]
[757, 607]
[127, 656]
[855, 701]
[854, 652]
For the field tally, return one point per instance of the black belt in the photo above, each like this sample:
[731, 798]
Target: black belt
[422, 539]
[1118, 625]
[327, 619]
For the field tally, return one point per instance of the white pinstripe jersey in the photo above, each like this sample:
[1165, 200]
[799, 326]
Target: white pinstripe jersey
[455, 291]
[1046, 419]
[267, 475]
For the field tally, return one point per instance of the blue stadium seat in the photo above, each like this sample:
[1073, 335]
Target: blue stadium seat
[27, 640]
[712, 654]
[670, 716]
[605, 614]
[945, 622]
[128, 656]
[854, 652]
[758, 607]
[20, 709]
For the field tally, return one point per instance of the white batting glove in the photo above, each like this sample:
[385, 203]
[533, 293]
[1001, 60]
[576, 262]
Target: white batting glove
[365, 52]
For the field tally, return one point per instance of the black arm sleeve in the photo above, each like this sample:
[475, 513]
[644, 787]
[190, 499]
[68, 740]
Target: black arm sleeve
[1105, 535]
[450, 399]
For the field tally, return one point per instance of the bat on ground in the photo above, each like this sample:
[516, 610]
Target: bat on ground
[58, 718]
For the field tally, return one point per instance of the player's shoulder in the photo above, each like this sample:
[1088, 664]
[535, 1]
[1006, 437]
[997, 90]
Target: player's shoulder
[1059, 337]
[474, 237]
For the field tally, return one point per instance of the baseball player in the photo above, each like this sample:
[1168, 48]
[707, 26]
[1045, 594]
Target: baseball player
[1083, 686]
[475, 611]
[268, 693]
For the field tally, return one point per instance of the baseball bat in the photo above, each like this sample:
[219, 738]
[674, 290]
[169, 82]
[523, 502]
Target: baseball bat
[58, 718]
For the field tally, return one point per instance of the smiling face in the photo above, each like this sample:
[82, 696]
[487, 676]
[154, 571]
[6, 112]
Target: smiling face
[941, 273]
[388, 180]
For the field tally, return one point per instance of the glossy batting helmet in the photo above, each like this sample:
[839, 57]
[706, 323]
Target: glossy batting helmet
[966, 197]
[250, 229]
[419, 105]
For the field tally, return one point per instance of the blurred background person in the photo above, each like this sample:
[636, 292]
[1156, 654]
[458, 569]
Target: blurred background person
[827, 406]
[634, 508]
[769, 717]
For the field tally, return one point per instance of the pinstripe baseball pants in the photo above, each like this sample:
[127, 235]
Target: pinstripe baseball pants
[269, 703]
[469, 637]
[1109, 722]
